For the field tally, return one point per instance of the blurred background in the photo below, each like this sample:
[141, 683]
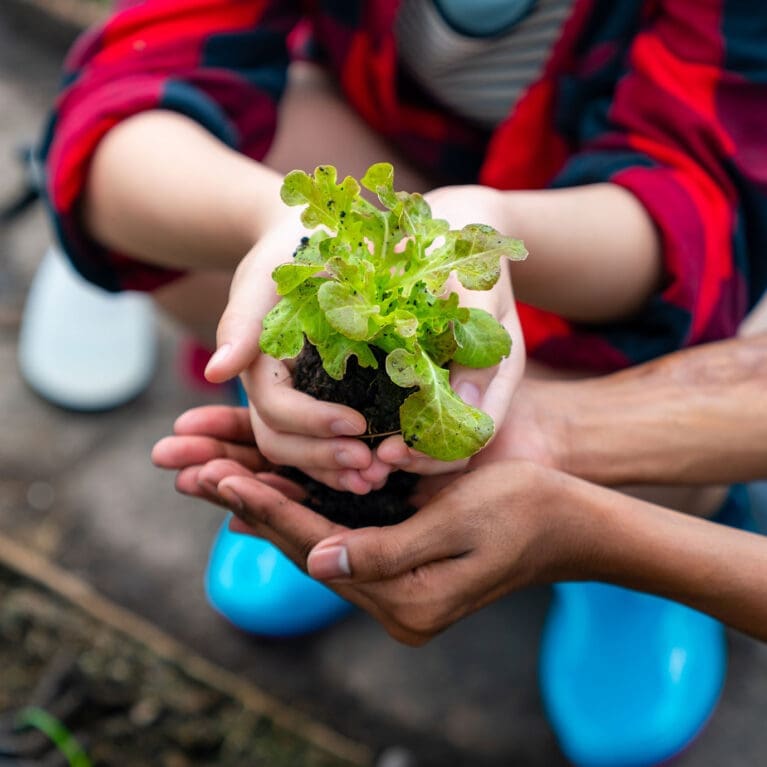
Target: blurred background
[78, 490]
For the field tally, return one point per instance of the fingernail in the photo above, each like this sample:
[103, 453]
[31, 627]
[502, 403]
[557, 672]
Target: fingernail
[220, 355]
[329, 562]
[345, 428]
[208, 486]
[347, 459]
[468, 392]
[231, 499]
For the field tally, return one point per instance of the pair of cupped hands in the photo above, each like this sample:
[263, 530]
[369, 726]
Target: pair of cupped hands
[478, 531]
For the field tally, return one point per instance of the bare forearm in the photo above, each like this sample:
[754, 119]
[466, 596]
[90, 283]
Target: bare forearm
[695, 417]
[163, 189]
[595, 253]
[622, 540]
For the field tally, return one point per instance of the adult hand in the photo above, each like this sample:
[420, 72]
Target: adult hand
[203, 435]
[474, 538]
[487, 533]
[535, 429]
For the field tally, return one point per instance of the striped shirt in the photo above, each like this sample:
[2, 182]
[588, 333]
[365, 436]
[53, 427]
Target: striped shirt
[479, 75]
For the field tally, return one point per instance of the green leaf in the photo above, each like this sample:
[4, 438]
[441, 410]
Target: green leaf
[66, 743]
[289, 276]
[356, 272]
[415, 221]
[309, 250]
[474, 254]
[482, 340]
[335, 351]
[373, 277]
[436, 315]
[434, 419]
[284, 326]
[327, 203]
[440, 347]
[348, 311]
[478, 252]
[405, 323]
[411, 211]
[379, 179]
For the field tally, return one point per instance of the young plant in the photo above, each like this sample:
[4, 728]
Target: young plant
[64, 741]
[371, 277]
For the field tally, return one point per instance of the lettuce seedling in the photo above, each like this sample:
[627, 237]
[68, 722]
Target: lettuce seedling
[376, 277]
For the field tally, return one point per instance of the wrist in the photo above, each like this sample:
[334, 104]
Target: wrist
[564, 529]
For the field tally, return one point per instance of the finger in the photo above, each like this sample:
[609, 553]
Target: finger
[213, 472]
[345, 480]
[375, 554]
[499, 388]
[377, 473]
[286, 543]
[236, 525]
[395, 453]
[258, 530]
[284, 409]
[259, 504]
[239, 328]
[309, 452]
[187, 483]
[219, 421]
[177, 452]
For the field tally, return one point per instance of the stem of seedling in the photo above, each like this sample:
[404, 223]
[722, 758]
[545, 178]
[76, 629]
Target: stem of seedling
[381, 434]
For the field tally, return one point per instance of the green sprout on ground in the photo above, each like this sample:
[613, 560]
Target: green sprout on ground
[57, 732]
[377, 277]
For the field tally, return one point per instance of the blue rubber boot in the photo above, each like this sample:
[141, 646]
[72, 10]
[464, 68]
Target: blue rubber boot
[256, 587]
[629, 679]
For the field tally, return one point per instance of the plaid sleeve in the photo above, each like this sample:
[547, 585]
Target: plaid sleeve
[221, 62]
[677, 114]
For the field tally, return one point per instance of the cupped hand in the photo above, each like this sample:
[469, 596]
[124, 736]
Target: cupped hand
[489, 389]
[293, 428]
[487, 533]
[475, 537]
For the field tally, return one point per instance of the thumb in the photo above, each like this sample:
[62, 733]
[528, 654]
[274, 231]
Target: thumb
[251, 296]
[381, 553]
[488, 389]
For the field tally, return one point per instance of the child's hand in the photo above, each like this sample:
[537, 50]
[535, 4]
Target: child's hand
[489, 389]
[293, 428]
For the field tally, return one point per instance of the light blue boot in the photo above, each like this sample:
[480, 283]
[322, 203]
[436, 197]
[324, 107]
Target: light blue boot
[629, 679]
[256, 587]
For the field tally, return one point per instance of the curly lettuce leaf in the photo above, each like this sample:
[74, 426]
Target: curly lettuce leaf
[327, 202]
[481, 341]
[284, 326]
[434, 419]
[371, 276]
[348, 311]
[474, 254]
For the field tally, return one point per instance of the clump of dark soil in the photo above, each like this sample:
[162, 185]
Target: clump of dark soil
[372, 392]
[126, 706]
